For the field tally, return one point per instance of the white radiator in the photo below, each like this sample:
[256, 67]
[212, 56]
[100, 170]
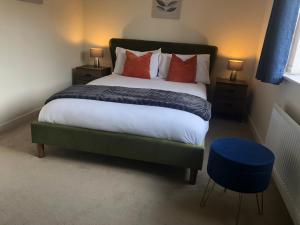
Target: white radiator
[283, 139]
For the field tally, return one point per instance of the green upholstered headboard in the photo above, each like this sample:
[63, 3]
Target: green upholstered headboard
[166, 47]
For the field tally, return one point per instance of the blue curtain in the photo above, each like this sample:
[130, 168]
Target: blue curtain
[278, 40]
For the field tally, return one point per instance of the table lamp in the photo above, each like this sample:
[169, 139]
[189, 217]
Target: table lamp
[96, 53]
[234, 66]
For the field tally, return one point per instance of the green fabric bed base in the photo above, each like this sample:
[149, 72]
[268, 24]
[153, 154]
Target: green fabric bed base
[119, 145]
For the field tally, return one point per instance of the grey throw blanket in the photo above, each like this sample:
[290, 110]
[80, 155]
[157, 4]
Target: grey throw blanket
[139, 96]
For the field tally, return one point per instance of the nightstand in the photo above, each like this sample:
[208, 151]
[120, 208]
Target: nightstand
[230, 98]
[87, 73]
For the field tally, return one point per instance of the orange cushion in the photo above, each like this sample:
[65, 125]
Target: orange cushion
[182, 71]
[137, 66]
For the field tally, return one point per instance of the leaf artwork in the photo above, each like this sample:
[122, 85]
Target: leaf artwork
[172, 3]
[170, 7]
[161, 3]
[160, 8]
[166, 9]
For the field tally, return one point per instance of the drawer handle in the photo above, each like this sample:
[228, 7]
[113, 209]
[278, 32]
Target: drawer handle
[230, 90]
[88, 75]
[229, 104]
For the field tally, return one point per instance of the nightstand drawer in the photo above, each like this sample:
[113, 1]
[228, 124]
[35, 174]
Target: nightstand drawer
[81, 71]
[230, 98]
[86, 74]
[223, 106]
[83, 79]
[224, 90]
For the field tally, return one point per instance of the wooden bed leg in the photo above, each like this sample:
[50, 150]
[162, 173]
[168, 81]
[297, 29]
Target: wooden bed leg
[193, 176]
[41, 150]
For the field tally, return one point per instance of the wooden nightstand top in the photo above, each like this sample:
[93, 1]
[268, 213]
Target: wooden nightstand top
[227, 81]
[92, 67]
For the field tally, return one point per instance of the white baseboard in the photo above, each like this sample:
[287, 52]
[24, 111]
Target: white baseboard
[254, 130]
[20, 119]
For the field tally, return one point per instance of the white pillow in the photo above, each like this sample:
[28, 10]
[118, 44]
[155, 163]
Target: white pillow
[121, 59]
[203, 63]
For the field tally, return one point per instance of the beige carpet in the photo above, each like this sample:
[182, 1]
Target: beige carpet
[74, 188]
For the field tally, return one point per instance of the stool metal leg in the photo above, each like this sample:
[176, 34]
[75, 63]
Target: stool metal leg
[260, 203]
[237, 219]
[207, 192]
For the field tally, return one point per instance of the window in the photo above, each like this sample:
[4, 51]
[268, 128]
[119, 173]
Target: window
[293, 66]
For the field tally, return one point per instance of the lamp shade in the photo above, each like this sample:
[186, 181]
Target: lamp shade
[96, 52]
[235, 65]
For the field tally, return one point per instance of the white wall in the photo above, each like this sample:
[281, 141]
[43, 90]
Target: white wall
[287, 95]
[39, 46]
[232, 25]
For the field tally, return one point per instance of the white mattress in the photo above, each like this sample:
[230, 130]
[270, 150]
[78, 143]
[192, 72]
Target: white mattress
[151, 121]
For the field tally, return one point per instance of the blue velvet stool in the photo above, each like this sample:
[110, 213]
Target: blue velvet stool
[239, 165]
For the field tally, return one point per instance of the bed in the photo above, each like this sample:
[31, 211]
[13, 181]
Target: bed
[165, 136]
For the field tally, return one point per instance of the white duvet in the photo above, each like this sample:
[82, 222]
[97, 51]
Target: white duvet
[151, 121]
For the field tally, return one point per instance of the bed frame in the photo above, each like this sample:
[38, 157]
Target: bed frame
[127, 145]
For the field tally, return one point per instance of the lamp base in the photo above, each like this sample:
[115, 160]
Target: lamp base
[97, 62]
[233, 76]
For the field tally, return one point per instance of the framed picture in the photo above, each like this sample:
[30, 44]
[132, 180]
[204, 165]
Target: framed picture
[166, 9]
[33, 1]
